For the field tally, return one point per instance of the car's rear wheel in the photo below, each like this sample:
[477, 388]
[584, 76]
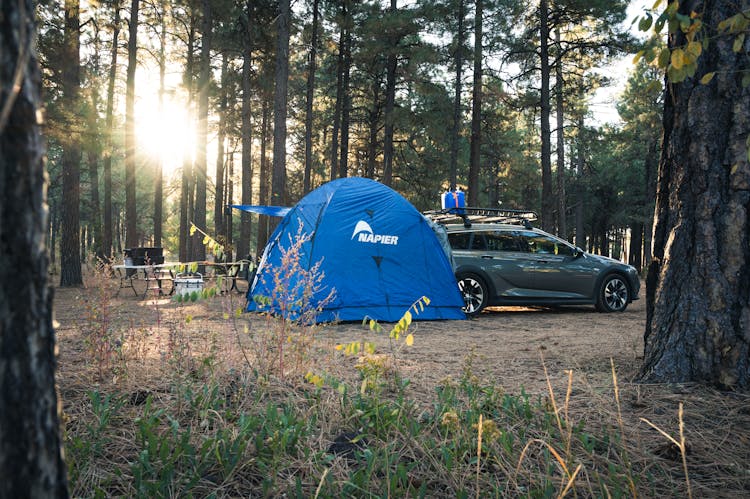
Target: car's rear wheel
[474, 292]
[613, 294]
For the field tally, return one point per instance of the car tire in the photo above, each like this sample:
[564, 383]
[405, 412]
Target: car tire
[613, 295]
[475, 293]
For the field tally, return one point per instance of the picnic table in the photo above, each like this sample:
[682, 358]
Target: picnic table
[160, 278]
[154, 277]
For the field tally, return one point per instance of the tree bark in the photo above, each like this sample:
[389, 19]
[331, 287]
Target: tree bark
[346, 104]
[580, 188]
[310, 92]
[109, 130]
[220, 143]
[548, 220]
[201, 166]
[456, 131]
[131, 227]
[30, 456]
[186, 190]
[159, 186]
[476, 111]
[390, 103]
[339, 93]
[278, 179]
[263, 188]
[243, 245]
[70, 258]
[562, 226]
[698, 298]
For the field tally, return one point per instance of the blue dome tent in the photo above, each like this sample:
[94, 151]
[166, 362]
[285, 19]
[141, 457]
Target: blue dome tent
[374, 249]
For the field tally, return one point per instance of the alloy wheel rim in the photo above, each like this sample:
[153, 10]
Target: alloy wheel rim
[616, 294]
[471, 291]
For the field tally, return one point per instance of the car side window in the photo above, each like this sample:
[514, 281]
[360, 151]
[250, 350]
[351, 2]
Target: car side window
[459, 240]
[478, 241]
[546, 245]
[502, 241]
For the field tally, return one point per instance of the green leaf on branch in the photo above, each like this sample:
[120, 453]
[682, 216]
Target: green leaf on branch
[707, 77]
[645, 23]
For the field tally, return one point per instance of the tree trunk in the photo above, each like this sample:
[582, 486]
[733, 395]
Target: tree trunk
[346, 105]
[278, 179]
[548, 220]
[459, 61]
[339, 93]
[246, 197]
[373, 125]
[186, 190]
[201, 166]
[93, 155]
[109, 120]
[131, 227]
[263, 188]
[562, 226]
[306, 183]
[580, 188]
[390, 103]
[159, 186]
[636, 245]
[220, 143]
[70, 259]
[698, 299]
[30, 456]
[476, 111]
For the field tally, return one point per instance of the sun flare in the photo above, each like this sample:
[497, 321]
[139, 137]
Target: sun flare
[165, 134]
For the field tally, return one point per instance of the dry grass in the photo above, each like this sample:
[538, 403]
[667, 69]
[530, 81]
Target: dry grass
[193, 372]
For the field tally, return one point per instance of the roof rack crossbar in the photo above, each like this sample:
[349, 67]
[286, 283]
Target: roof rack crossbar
[471, 215]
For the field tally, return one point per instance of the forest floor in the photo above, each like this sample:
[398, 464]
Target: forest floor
[588, 360]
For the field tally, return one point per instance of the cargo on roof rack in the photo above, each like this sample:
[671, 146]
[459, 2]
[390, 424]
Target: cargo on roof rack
[469, 215]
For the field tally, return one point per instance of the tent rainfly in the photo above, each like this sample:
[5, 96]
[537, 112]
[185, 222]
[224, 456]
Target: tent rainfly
[375, 251]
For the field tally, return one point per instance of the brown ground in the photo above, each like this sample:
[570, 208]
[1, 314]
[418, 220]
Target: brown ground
[509, 347]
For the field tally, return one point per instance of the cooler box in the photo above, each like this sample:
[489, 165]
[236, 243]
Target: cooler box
[454, 199]
[184, 284]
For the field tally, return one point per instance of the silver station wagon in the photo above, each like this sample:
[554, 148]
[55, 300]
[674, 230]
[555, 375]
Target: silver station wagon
[499, 258]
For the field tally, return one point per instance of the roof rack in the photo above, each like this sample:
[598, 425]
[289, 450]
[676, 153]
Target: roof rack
[469, 215]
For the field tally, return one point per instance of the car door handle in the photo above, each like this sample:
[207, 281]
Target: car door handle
[487, 257]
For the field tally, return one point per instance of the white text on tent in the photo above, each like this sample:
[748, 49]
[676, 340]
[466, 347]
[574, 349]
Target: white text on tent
[366, 237]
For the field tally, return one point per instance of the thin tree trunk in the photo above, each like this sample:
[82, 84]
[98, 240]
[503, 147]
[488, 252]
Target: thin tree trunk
[131, 227]
[30, 456]
[221, 139]
[109, 120]
[186, 191]
[278, 179]
[230, 200]
[159, 186]
[306, 183]
[390, 103]
[243, 245]
[339, 93]
[476, 111]
[548, 221]
[347, 102]
[562, 226]
[263, 188]
[373, 119]
[580, 189]
[70, 259]
[201, 167]
[459, 61]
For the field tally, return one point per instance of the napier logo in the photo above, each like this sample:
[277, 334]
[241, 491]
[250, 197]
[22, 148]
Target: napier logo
[364, 234]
